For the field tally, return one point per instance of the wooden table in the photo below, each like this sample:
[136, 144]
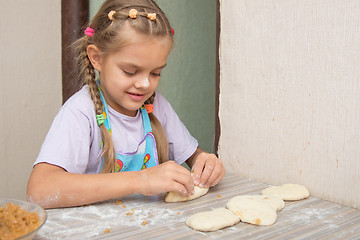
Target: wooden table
[139, 217]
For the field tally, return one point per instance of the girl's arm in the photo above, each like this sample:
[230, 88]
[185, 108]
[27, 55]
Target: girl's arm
[208, 170]
[51, 186]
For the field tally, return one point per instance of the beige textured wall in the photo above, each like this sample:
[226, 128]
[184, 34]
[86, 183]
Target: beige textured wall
[30, 93]
[290, 94]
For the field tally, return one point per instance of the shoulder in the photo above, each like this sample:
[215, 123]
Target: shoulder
[159, 97]
[79, 109]
[160, 101]
[81, 102]
[161, 105]
[163, 109]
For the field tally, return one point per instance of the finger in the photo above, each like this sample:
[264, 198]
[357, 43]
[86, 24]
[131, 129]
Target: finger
[190, 188]
[198, 169]
[179, 188]
[186, 181]
[209, 168]
[182, 176]
[214, 175]
[219, 178]
[217, 174]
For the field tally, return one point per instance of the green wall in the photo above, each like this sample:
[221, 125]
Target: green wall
[188, 82]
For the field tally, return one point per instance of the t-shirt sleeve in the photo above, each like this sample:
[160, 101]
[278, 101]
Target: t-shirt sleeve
[68, 141]
[181, 144]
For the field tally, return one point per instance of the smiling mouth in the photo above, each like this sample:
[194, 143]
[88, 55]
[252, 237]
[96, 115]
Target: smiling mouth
[136, 94]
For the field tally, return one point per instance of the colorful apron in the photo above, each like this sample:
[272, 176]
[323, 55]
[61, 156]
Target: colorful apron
[145, 155]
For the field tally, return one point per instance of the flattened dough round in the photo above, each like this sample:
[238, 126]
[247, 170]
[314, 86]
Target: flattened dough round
[287, 192]
[252, 210]
[212, 220]
[176, 197]
[275, 203]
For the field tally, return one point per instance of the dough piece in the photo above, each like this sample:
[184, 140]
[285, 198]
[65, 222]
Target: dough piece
[275, 203]
[287, 192]
[176, 197]
[212, 220]
[254, 210]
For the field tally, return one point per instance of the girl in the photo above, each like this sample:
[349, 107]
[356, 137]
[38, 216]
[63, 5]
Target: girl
[118, 125]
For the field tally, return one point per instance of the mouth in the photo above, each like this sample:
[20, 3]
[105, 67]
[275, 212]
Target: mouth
[136, 96]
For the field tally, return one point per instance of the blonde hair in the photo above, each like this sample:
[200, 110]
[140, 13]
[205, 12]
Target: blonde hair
[107, 25]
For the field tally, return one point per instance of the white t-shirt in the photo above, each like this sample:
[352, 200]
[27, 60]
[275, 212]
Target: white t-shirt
[74, 139]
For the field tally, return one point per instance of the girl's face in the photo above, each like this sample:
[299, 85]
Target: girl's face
[129, 76]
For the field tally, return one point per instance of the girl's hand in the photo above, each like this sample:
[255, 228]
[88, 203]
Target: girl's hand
[208, 170]
[167, 177]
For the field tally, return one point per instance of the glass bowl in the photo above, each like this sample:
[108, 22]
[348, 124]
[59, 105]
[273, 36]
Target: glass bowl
[29, 207]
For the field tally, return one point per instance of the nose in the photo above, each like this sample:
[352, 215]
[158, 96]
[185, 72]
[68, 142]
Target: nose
[142, 83]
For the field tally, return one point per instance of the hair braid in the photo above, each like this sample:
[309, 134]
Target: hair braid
[87, 73]
[108, 147]
[162, 145]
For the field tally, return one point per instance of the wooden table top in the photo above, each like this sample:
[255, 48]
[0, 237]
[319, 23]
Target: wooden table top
[139, 217]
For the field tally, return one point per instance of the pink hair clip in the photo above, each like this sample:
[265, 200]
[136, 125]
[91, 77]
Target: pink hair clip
[172, 31]
[89, 31]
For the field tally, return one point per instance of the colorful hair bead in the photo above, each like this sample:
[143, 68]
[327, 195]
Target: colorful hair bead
[111, 15]
[152, 16]
[133, 13]
[149, 108]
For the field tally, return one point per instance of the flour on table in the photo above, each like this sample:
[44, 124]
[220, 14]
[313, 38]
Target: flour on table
[255, 209]
[176, 197]
[89, 222]
[287, 192]
[212, 220]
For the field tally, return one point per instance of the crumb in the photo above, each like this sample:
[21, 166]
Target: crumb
[219, 196]
[118, 202]
[123, 206]
[107, 230]
[144, 223]
[129, 213]
[178, 213]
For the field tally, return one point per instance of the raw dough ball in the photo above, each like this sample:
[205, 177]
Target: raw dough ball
[253, 209]
[289, 192]
[176, 197]
[212, 220]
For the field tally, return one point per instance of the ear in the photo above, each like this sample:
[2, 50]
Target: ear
[94, 55]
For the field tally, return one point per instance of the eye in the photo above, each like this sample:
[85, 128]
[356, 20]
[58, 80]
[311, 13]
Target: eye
[156, 74]
[129, 73]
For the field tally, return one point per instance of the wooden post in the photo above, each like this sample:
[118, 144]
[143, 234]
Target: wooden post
[74, 15]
